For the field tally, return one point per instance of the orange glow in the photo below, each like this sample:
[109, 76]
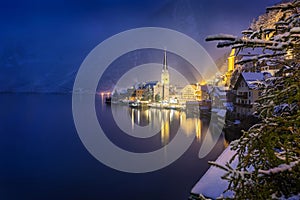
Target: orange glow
[165, 132]
[226, 144]
[105, 93]
[203, 82]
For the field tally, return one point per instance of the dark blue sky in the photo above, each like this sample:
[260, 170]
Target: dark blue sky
[42, 38]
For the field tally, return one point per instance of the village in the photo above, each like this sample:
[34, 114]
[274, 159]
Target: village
[231, 95]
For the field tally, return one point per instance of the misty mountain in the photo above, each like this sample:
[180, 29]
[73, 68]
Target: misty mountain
[43, 45]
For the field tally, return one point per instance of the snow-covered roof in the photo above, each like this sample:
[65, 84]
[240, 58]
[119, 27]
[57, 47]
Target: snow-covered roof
[150, 84]
[253, 79]
[221, 113]
[254, 84]
[215, 110]
[253, 76]
[229, 106]
[219, 93]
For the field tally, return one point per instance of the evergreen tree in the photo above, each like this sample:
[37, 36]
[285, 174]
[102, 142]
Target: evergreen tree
[268, 154]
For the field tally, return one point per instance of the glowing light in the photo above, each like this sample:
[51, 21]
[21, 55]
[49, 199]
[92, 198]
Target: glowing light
[198, 129]
[139, 116]
[203, 82]
[147, 114]
[165, 132]
[132, 119]
[226, 143]
[171, 115]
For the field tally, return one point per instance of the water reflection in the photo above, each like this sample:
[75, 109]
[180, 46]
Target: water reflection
[163, 124]
[161, 119]
[32, 128]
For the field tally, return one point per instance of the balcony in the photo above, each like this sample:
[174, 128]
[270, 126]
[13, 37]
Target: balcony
[242, 95]
[246, 105]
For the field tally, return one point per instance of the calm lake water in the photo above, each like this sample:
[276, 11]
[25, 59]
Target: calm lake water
[42, 156]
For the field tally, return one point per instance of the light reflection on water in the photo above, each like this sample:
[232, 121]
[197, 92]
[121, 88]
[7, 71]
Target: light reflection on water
[163, 120]
[43, 157]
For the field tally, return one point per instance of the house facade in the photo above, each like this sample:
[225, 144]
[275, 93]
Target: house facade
[247, 91]
[188, 93]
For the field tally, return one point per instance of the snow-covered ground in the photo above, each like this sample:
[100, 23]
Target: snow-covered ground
[211, 185]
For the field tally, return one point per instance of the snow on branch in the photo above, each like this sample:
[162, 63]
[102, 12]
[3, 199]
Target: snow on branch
[292, 18]
[256, 58]
[221, 37]
[281, 23]
[225, 44]
[280, 168]
[295, 30]
[237, 46]
[247, 32]
[269, 30]
[284, 6]
[270, 55]
[240, 42]
[248, 59]
[255, 34]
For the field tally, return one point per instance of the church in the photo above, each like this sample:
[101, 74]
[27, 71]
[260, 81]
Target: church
[161, 91]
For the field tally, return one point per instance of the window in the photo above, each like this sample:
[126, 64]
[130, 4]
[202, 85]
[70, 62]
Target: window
[249, 94]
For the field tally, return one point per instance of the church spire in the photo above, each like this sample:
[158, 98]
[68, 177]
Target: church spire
[165, 65]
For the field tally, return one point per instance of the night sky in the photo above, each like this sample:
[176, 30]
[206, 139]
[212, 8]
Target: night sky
[46, 41]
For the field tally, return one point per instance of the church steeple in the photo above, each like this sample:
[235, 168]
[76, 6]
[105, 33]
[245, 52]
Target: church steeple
[165, 79]
[165, 65]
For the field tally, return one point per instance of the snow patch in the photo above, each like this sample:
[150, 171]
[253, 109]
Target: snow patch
[221, 37]
[280, 168]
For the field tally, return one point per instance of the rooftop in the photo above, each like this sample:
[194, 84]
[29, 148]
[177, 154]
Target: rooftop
[253, 76]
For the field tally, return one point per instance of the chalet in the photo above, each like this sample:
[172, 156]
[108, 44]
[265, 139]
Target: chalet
[247, 91]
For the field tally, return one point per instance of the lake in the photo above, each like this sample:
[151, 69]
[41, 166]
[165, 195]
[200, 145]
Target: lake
[42, 156]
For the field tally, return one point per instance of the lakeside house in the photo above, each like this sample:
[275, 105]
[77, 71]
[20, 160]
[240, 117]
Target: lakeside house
[188, 93]
[247, 91]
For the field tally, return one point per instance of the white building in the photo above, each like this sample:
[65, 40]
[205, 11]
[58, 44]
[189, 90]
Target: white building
[188, 93]
[247, 92]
